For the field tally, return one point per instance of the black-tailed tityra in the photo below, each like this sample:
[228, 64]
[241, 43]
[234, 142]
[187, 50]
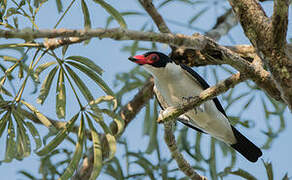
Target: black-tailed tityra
[173, 83]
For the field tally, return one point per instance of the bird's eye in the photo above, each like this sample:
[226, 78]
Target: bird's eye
[154, 57]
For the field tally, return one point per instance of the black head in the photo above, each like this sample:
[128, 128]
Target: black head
[153, 58]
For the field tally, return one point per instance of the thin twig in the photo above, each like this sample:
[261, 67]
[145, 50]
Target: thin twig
[183, 165]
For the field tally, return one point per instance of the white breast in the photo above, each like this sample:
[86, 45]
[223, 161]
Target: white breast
[174, 84]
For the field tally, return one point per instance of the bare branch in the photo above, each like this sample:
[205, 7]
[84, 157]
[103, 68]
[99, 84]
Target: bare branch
[253, 19]
[131, 109]
[280, 23]
[183, 165]
[196, 42]
[269, 40]
[171, 113]
[156, 17]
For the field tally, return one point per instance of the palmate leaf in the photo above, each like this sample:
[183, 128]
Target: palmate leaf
[119, 122]
[130, 13]
[153, 143]
[108, 134]
[105, 99]
[35, 134]
[115, 173]
[77, 154]
[41, 68]
[22, 139]
[61, 96]
[43, 119]
[97, 150]
[86, 62]
[3, 121]
[81, 85]
[10, 142]
[93, 76]
[59, 137]
[59, 5]
[46, 86]
[269, 170]
[244, 174]
[112, 11]
[86, 16]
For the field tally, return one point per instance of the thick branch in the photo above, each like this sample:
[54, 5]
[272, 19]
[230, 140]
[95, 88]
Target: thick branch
[183, 165]
[280, 23]
[253, 19]
[171, 113]
[269, 39]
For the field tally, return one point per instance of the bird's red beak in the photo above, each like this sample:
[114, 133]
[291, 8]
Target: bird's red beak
[139, 59]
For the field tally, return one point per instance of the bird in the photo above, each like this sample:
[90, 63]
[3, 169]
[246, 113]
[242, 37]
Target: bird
[175, 83]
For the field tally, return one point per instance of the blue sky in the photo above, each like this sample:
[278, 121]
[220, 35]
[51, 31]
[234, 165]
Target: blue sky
[107, 53]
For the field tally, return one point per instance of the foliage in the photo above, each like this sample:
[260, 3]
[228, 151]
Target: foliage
[70, 76]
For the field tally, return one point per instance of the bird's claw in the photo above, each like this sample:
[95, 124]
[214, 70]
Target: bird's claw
[198, 109]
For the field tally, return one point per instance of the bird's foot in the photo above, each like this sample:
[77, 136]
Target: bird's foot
[187, 100]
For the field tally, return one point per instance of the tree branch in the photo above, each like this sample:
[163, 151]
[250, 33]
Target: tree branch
[171, 113]
[183, 165]
[156, 17]
[280, 23]
[269, 40]
[196, 42]
[208, 47]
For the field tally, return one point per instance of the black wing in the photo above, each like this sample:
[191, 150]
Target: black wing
[204, 85]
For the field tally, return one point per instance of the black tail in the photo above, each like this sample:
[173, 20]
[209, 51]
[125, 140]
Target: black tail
[245, 147]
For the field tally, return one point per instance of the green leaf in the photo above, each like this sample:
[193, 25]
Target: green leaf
[59, 5]
[35, 134]
[97, 151]
[269, 170]
[81, 85]
[153, 143]
[86, 16]
[111, 10]
[244, 174]
[109, 136]
[22, 139]
[41, 68]
[87, 62]
[64, 49]
[77, 154]
[46, 86]
[93, 76]
[104, 99]
[59, 137]
[119, 122]
[110, 19]
[61, 96]
[39, 115]
[10, 142]
[3, 122]
[147, 122]
[27, 175]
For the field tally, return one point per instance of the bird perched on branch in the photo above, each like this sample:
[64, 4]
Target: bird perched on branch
[173, 84]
